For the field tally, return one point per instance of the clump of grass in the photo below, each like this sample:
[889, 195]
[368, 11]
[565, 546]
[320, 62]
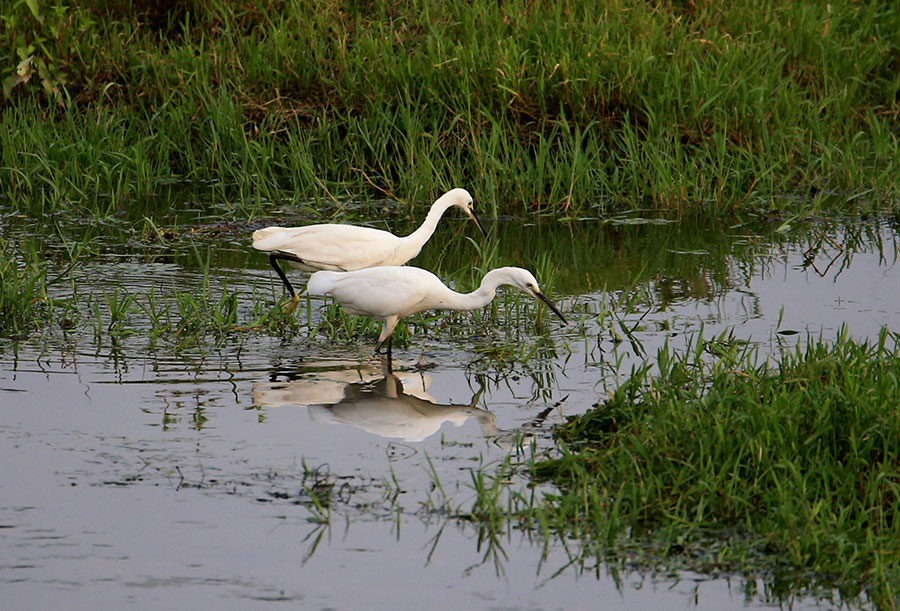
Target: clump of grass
[23, 290]
[792, 466]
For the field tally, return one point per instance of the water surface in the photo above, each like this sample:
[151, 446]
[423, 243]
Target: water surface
[140, 472]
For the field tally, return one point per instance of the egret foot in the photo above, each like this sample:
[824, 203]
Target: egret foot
[290, 305]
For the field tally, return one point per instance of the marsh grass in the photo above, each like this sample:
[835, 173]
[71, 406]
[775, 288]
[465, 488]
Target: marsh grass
[29, 299]
[567, 108]
[336, 325]
[45, 291]
[23, 290]
[718, 460]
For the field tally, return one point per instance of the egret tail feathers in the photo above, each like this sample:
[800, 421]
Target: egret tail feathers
[273, 238]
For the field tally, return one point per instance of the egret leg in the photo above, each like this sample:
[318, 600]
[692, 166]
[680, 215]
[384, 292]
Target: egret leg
[387, 333]
[380, 344]
[387, 367]
[288, 306]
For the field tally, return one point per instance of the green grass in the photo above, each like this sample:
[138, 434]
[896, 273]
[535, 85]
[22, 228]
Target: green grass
[566, 108]
[23, 290]
[716, 460]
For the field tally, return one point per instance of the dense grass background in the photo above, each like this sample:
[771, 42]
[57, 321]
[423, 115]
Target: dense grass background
[557, 106]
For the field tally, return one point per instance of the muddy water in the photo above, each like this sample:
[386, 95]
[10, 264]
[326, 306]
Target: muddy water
[140, 474]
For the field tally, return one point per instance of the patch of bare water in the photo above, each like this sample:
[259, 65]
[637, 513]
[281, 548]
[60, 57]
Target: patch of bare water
[269, 470]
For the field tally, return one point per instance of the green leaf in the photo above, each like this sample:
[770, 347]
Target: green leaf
[10, 82]
[24, 52]
[33, 5]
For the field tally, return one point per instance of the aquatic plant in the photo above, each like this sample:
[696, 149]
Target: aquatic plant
[716, 459]
[23, 291]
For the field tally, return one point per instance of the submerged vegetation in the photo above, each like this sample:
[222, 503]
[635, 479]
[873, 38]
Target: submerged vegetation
[563, 107]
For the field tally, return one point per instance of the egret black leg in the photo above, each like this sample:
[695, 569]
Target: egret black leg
[387, 367]
[273, 259]
[381, 344]
[288, 306]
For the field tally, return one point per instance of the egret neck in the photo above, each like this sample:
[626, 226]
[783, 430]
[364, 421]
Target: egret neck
[411, 245]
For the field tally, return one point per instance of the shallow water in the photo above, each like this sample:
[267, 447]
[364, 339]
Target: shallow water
[139, 474]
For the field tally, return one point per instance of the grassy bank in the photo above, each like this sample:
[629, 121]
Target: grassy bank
[721, 462]
[562, 107]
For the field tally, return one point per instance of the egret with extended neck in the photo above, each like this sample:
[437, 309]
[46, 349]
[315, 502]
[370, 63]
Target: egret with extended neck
[391, 293]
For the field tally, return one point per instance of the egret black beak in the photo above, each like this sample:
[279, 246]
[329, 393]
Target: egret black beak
[550, 305]
[477, 222]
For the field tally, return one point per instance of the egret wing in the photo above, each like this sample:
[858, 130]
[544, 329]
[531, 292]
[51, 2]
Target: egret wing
[331, 246]
[379, 291]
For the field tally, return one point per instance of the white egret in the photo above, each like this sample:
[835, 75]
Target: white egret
[337, 247]
[390, 293]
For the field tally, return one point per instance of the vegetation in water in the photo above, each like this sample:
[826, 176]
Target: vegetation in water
[23, 289]
[565, 107]
[716, 460]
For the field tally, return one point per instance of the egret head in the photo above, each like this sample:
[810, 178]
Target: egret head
[463, 200]
[525, 280]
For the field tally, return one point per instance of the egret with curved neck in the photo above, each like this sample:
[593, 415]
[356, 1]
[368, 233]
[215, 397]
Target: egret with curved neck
[391, 293]
[337, 247]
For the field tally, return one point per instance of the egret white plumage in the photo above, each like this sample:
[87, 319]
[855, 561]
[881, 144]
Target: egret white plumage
[337, 247]
[391, 293]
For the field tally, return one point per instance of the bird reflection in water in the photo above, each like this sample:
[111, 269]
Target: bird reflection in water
[390, 404]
